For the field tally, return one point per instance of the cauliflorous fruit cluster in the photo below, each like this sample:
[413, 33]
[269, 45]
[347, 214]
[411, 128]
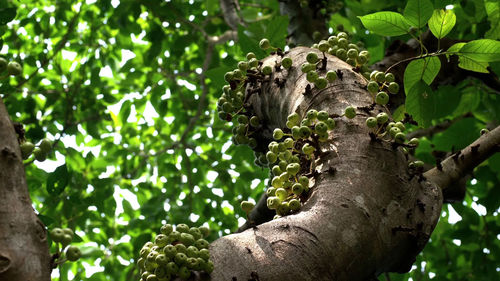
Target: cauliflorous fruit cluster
[340, 46]
[289, 158]
[40, 152]
[64, 236]
[13, 68]
[380, 85]
[175, 253]
[311, 67]
[393, 131]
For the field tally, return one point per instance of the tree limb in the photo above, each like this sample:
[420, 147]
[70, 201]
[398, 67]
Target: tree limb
[430, 131]
[229, 10]
[453, 168]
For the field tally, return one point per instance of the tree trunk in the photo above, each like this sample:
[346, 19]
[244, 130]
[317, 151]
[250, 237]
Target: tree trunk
[24, 252]
[367, 213]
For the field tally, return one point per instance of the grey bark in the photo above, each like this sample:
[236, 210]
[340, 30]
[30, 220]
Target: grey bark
[24, 253]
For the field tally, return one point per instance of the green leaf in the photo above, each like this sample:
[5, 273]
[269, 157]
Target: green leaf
[7, 15]
[386, 23]
[482, 50]
[420, 103]
[57, 181]
[418, 12]
[467, 62]
[441, 22]
[249, 44]
[276, 31]
[493, 11]
[424, 69]
[399, 113]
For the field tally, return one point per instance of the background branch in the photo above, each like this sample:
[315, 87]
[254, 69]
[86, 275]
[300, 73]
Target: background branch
[453, 168]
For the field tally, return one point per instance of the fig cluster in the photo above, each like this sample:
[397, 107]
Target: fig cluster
[230, 105]
[289, 155]
[64, 236]
[393, 131]
[312, 67]
[175, 253]
[12, 68]
[380, 85]
[340, 46]
[41, 151]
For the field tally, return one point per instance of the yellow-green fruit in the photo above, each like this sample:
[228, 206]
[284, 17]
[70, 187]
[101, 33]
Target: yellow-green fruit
[371, 122]
[204, 254]
[312, 76]
[209, 267]
[372, 87]
[254, 121]
[56, 234]
[152, 277]
[250, 56]
[267, 70]
[27, 149]
[161, 259]
[68, 231]
[278, 134]
[170, 251]
[205, 231]
[182, 228]
[331, 76]
[382, 98]
[414, 141]
[306, 67]
[180, 248]
[201, 244]
[297, 189]
[180, 258]
[195, 232]
[73, 253]
[382, 118]
[400, 138]
[286, 62]
[393, 88]
[66, 239]
[264, 44]
[350, 112]
[166, 229]
[323, 46]
[294, 204]
[321, 83]
[281, 193]
[39, 155]
[187, 239]
[389, 77]
[247, 206]
[14, 68]
[273, 202]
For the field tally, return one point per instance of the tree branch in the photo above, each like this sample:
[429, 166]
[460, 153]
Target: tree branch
[229, 10]
[60, 45]
[453, 168]
[429, 132]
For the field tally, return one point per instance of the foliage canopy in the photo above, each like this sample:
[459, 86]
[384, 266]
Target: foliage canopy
[127, 90]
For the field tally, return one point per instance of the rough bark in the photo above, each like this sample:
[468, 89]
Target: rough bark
[367, 213]
[453, 168]
[24, 253]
